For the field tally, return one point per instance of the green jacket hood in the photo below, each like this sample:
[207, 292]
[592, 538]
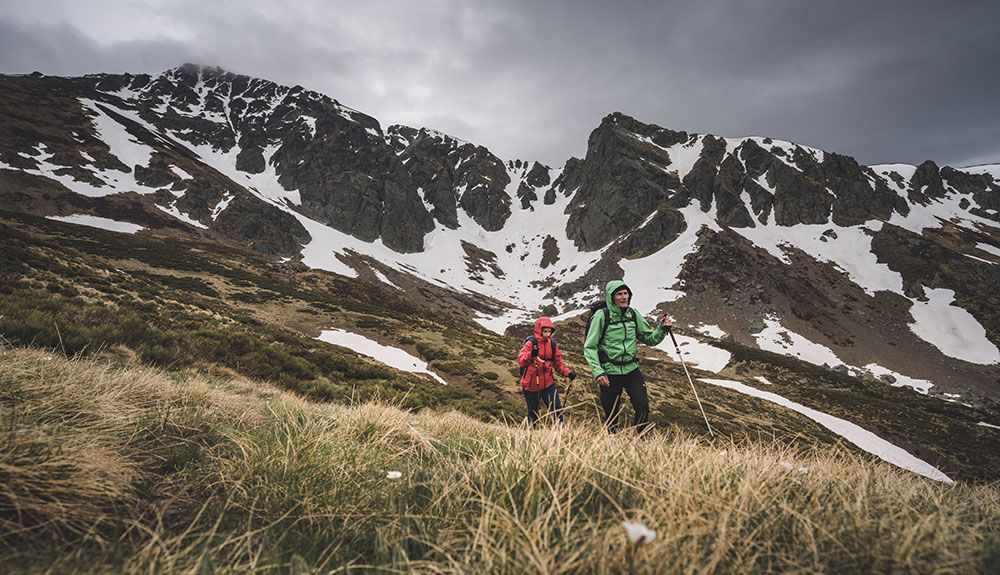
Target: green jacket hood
[610, 289]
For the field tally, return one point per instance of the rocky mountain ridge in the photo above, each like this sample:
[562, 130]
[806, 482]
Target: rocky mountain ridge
[736, 232]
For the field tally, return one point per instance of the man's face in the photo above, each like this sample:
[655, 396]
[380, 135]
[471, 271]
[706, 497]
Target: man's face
[620, 298]
[547, 332]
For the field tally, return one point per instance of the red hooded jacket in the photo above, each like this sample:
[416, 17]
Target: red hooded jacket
[538, 370]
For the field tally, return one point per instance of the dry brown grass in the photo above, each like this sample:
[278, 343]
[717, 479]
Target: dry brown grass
[110, 467]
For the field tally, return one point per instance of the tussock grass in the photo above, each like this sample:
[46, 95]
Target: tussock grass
[106, 466]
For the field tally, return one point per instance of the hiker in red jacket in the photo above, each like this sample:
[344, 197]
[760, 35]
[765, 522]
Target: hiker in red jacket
[538, 359]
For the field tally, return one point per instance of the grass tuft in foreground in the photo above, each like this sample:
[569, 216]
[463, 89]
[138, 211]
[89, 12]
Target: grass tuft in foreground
[106, 466]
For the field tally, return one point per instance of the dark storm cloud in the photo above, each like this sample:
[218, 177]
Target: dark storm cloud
[882, 81]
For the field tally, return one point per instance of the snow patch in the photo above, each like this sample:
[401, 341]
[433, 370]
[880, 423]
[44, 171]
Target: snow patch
[391, 356]
[696, 353]
[921, 385]
[952, 329]
[123, 145]
[989, 249]
[181, 173]
[173, 211]
[855, 434]
[381, 277]
[778, 339]
[711, 331]
[222, 205]
[98, 222]
[850, 251]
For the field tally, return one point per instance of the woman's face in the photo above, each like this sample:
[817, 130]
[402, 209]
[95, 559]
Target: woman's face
[547, 332]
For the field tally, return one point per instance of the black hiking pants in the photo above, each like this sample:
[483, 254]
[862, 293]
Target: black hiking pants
[635, 386]
[549, 395]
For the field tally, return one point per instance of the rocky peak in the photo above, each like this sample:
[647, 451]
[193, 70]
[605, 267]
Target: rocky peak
[624, 178]
[453, 173]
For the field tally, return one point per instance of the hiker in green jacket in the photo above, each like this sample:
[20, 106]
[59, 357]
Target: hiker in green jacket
[610, 350]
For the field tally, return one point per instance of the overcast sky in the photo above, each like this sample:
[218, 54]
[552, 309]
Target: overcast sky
[884, 81]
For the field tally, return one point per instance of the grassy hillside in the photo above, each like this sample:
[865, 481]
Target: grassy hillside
[182, 303]
[109, 466]
[190, 303]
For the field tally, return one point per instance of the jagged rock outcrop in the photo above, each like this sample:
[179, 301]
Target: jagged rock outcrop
[262, 227]
[452, 174]
[624, 177]
[335, 157]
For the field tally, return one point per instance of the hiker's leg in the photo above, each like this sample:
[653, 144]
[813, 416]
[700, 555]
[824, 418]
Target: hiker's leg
[552, 403]
[635, 386]
[531, 398]
[611, 402]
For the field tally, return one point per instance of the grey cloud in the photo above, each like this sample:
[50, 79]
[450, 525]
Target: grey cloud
[886, 81]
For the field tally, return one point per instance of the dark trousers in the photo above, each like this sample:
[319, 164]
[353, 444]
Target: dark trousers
[635, 386]
[549, 395]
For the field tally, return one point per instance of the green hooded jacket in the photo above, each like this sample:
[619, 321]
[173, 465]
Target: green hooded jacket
[626, 328]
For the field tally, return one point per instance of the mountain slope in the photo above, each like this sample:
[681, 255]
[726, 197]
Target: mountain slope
[879, 271]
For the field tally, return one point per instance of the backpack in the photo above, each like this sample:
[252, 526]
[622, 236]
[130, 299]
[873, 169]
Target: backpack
[534, 346]
[601, 306]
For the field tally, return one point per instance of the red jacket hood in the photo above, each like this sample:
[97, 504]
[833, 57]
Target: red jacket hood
[539, 324]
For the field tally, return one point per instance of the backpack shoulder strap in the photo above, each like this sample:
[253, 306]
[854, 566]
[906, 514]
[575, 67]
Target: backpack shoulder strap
[607, 320]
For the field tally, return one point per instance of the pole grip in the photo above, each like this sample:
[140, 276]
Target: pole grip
[671, 332]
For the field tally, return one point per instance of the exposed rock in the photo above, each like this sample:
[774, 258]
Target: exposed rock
[453, 174]
[926, 184]
[550, 252]
[621, 181]
[262, 227]
[154, 177]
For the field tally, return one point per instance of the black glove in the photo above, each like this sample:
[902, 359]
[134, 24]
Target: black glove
[572, 375]
[534, 351]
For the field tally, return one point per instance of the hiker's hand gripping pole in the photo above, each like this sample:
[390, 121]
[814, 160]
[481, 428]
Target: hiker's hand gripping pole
[678, 348]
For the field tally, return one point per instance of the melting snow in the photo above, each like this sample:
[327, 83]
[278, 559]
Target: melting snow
[123, 144]
[265, 184]
[778, 339]
[173, 211]
[97, 222]
[391, 356]
[857, 435]
[696, 353]
[850, 251]
[952, 329]
[180, 173]
[711, 331]
[989, 249]
[921, 385]
[222, 205]
[381, 277]
[115, 182]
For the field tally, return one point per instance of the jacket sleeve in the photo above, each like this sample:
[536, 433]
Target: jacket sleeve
[524, 356]
[559, 365]
[590, 345]
[649, 335]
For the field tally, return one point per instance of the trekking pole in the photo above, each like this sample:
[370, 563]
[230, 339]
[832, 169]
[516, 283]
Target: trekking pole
[678, 348]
